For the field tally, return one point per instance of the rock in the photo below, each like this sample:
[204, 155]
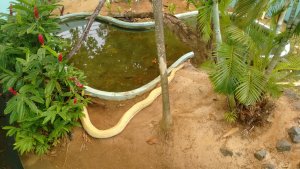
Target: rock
[294, 134]
[296, 139]
[268, 166]
[261, 154]
[283, 145]
[294, 130]
[226, 152]
[153, 140]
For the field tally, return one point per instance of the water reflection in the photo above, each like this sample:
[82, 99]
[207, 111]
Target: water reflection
[119, 60]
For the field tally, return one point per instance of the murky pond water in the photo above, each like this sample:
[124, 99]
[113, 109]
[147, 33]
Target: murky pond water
[115, 59]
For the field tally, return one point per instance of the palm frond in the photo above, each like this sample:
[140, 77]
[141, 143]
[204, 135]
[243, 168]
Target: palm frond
[228, 69]
[276, 7]
[204, 20]
[290, 63]
[246, 11]
[250, 89]
[272, 87]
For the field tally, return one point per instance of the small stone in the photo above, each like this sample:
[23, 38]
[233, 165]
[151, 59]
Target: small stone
[294, 130]
[268, 166]
[283, 145]
[294, 134]
[226, 152]
[261, 154]
[152, 140]
[296, 139]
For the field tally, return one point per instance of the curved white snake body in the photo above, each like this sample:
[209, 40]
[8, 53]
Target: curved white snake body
[120, 126]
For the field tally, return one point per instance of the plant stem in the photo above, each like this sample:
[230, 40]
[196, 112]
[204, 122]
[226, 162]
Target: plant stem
[86, 29]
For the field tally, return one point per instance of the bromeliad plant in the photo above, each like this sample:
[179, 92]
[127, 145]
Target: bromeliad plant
[47, 93]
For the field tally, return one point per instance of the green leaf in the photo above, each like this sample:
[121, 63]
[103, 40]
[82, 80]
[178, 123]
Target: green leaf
[11, 105]
[24, 144]
[251, 87]
[11, 130]
[228, 69]
[20, 108]
[11, 82]
[49, 116]
[32, 106]
[31, 28]
[50, 50]
[41, 52]
[26, 88]
[37, 99]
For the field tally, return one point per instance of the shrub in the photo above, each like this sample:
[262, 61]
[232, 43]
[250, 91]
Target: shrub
[47, 93]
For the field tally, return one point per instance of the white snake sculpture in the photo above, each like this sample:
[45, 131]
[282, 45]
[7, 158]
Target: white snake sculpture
[125, 119]
[120, 126]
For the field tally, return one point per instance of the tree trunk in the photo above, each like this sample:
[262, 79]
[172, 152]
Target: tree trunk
[281, 17]
[216, 23]
[87, 29]
[291, 26]
[189, 37]
[160, 43]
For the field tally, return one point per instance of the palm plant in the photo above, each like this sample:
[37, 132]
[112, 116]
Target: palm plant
[249, 64]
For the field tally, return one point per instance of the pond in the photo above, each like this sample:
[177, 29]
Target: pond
[115, 59]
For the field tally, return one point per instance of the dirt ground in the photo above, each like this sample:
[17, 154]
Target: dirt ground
[197, 133]
[73, 6]
[194, 142]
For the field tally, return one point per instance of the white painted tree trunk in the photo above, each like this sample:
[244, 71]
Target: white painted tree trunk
[216, 22]
[281, 18]
[161, 51]
[291, 26]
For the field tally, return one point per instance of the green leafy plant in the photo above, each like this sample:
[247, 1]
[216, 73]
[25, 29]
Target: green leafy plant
[47, 98]
[108, 6]
[230, 117]
[172, 8]
[119, 10]
[249, 65]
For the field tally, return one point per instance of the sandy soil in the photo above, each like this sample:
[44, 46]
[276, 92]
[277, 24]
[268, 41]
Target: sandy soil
[197, 134]
[194, 142]
[73, 6]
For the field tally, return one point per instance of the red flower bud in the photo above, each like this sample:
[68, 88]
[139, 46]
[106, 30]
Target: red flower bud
[78, 84]
[36, 12]
[75, 101]
[60, 57]
[12, 91]
[11, 10]
[41, 39]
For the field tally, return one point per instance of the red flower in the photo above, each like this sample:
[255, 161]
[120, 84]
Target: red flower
[78, 84]
[11, 10]
[36, 12]
[41, 39]
[60, 57]
[75, 101]
[12, 91]
[72, 78]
